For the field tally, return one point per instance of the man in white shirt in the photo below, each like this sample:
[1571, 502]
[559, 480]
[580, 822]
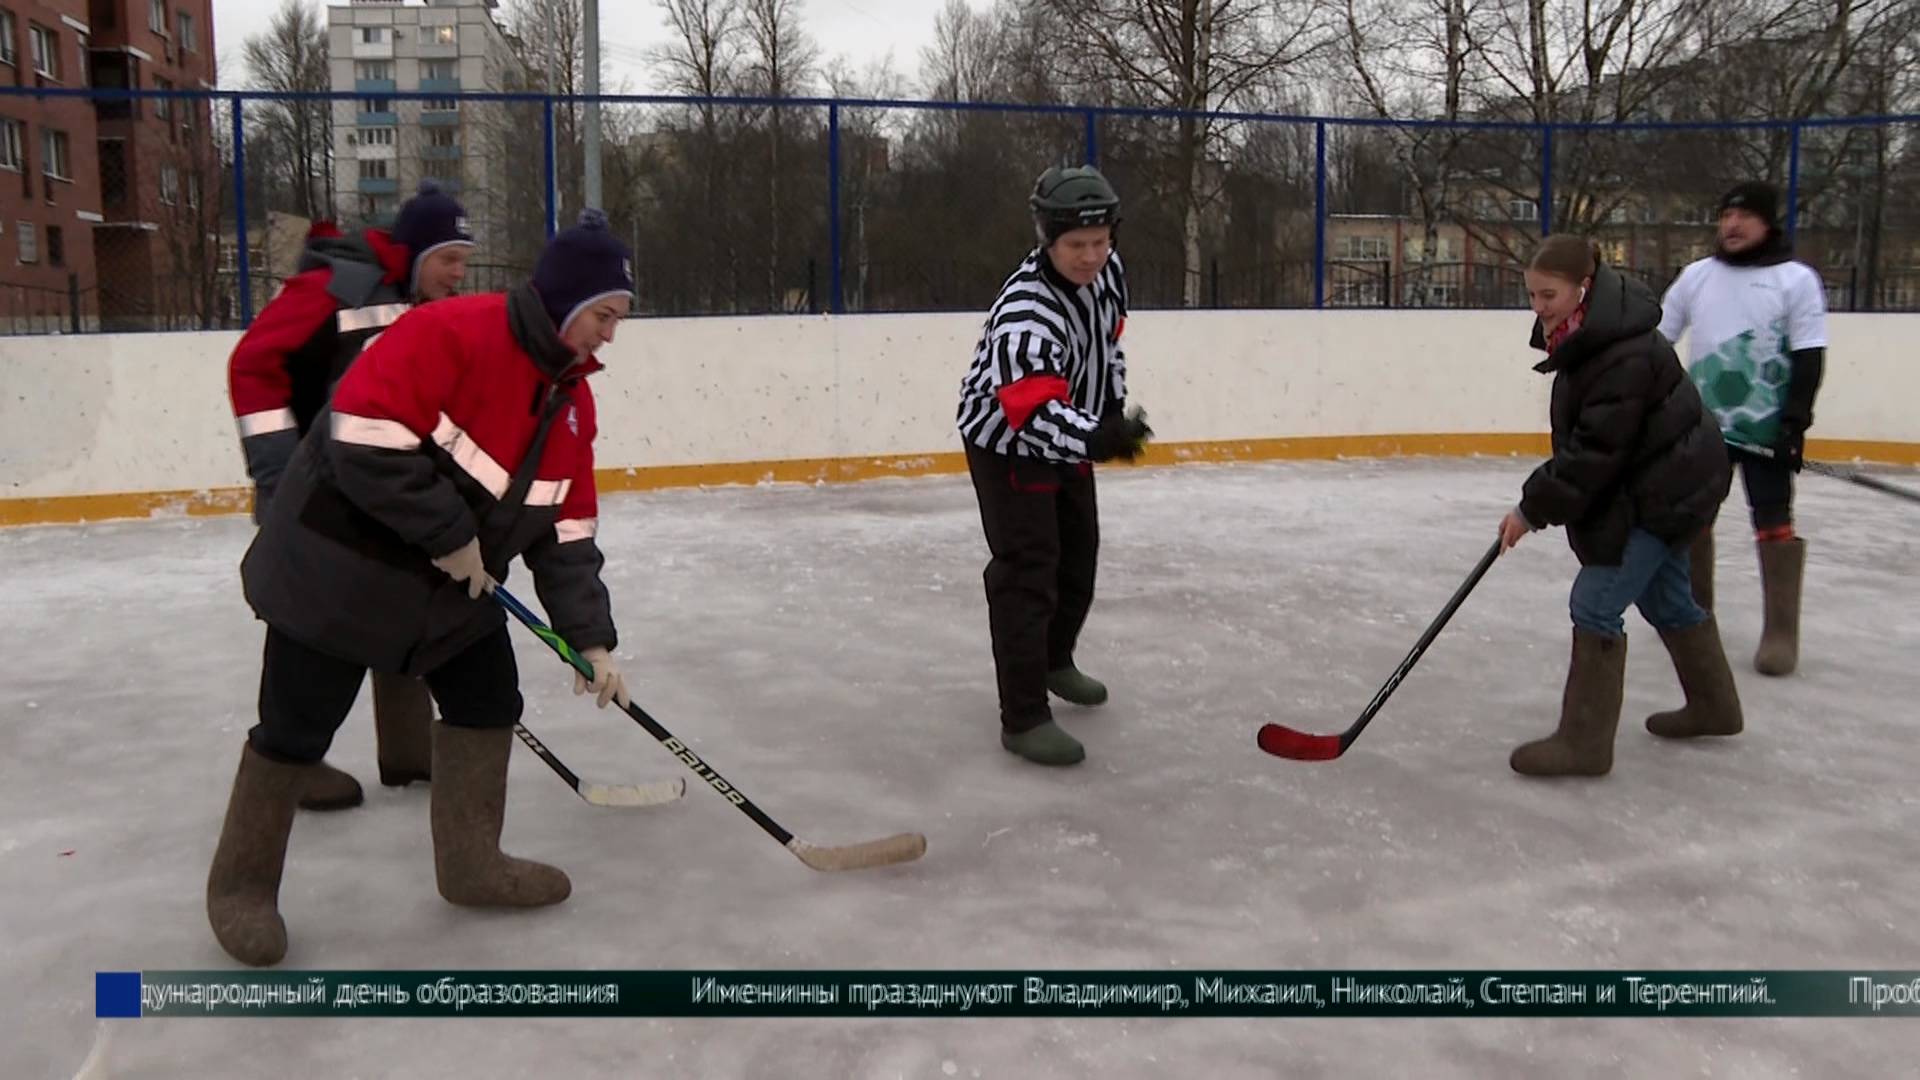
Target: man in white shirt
[1756, 350]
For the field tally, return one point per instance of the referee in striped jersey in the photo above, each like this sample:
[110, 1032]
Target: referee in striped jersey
[1043, 400]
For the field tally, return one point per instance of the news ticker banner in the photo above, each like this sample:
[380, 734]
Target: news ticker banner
[585, 993]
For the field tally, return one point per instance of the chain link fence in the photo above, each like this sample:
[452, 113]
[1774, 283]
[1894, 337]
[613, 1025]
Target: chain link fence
[177, 210]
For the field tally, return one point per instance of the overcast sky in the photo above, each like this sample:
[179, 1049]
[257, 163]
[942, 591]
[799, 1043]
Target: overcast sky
[863, 31]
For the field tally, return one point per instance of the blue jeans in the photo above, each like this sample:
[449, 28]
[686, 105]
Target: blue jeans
[1651, 574]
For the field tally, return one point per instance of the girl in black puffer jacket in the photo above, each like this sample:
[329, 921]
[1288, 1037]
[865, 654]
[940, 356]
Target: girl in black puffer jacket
[1638, 469]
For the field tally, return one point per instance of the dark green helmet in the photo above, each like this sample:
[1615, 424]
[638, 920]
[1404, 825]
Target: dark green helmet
[1067, 199]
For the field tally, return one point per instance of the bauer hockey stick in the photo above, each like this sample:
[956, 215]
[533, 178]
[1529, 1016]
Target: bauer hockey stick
[903, 847]
[653, 794]
[1283, 741]
[1835, 471]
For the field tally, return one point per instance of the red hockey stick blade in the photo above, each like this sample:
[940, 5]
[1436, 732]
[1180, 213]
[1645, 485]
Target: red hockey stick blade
[1285, 742]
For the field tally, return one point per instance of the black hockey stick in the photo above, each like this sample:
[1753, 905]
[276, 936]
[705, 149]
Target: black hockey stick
[1835, 471]
[653, 794]
[904, 847]
[1283, 741]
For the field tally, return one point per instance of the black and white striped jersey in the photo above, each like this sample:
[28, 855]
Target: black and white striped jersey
[1049, 363]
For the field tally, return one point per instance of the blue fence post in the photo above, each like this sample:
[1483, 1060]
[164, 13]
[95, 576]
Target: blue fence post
[553, 185]
[1320, 214]
[1546, 180]
[836, 298]
[240, 211]
[1793, 179]
[1093, 137]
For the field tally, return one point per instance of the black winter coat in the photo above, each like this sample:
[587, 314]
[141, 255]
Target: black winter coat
[1632, 444]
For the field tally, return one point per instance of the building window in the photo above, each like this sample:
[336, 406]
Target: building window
[193, 190]
[29, 242]
[162, 107]
[1362, 248]
[1523, 210]
[157, 16]
[7, 53]
[373, 169]
[46, 51]
[377, 137]
[169, 184]
[374, 70]
[376, 105]
[373, 35]
[188, 40]
[443, 137]
[56, 246]
[440, 105]
[442, 35]
[54, 145]
[13, 143]
[85, 69]
[439, 69]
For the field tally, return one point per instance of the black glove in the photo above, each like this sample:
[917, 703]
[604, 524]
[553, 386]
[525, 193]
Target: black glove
[1120, 436]
[1788, 448]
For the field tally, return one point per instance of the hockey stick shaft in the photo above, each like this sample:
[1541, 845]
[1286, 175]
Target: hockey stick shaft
[1420, 647]
[1834, 471]
[675, 746]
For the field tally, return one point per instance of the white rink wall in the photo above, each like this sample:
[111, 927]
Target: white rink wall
[108, 415]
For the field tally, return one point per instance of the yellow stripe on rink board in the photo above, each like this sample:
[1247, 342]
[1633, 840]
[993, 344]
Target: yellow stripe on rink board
[74, 509]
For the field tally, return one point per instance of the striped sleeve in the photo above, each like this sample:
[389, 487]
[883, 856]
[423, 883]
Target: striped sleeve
[1026, 343]
[1117, 387]
[567, 562]
[391, 401]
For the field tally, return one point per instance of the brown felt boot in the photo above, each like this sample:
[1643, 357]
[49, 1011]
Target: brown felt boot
[1700, 568]
[243, 886]
[1782, 564]
[402, 728]
[1713, 704]
[1589, 713]
[469, 806]
[329, 788]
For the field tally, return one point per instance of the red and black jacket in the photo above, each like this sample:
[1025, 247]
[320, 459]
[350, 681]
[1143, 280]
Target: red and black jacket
[468, 418]
[346, 291]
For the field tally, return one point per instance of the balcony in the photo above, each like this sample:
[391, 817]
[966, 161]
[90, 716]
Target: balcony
[440, 153]
[379, 185]
[439, 86]
[372, 50]
[377, 119]
[440, 117]
[449, 184]
[375, 86]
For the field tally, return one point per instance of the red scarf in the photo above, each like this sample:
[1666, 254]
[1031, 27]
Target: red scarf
[1567, 329]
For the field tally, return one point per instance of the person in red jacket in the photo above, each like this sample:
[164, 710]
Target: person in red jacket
[461, 439]
[346, 292]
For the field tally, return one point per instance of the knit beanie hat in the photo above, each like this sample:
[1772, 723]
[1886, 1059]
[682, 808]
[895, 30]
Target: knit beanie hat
[1754, 197]
[429, 221]
[581, 265]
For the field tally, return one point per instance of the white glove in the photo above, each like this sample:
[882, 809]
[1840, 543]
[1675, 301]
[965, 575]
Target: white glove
[608, 684]
[465, 565]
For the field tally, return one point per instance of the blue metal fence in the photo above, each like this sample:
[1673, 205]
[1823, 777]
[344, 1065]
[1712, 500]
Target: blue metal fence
[751, 205]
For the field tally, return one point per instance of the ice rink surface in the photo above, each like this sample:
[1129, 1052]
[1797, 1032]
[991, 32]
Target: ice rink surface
[826, 649]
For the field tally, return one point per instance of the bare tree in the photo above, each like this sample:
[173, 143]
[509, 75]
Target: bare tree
[780, 63]
[1191, 55]
[290, 56]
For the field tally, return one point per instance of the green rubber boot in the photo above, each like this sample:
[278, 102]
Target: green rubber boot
[1044, 745]
[1069, 684]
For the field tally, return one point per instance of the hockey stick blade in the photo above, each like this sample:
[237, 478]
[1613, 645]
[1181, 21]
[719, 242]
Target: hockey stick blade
[1282, 741]
[904, 847]
[654, 794]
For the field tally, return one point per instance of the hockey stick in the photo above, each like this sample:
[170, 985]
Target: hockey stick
[904, 847]
[1835, 471]
[660, 791]
[1283, 741]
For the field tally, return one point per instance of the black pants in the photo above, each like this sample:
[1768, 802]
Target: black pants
[1043, 527]
[1769, 487]
[305, 694]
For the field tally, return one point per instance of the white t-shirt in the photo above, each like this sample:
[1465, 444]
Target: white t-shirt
[1745, 323]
